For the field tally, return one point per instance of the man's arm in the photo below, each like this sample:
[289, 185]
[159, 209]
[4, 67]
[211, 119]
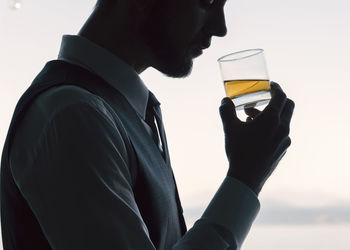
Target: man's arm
[79, 184]
[226, 221]
[79, 188]
[254, 148]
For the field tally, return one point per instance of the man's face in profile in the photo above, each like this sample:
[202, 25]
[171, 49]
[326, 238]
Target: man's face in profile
[178, 30]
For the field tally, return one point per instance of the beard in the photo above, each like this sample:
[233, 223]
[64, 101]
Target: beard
[169, 57]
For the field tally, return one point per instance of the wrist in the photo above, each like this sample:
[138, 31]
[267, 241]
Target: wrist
[255, 186]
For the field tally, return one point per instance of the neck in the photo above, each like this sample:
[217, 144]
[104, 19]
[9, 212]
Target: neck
[118, 33]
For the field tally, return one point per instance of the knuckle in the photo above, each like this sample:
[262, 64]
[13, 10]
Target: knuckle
[278, 97]
[223, 109]
[282, 95]
[285, 130]
[291, 103]
[288, 141]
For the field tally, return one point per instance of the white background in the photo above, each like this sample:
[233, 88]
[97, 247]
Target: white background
[306, 45]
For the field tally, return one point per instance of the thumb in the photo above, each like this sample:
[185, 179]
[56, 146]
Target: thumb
[228, 113]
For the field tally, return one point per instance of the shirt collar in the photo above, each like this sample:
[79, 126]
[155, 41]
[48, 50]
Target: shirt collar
[82, 52]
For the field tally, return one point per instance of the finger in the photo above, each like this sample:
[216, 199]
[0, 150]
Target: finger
[281, 133]
[275, 85]
[228, 113]
[287, 113]
[282, 149]
[284, 146]
[278, 98]
[252, 112]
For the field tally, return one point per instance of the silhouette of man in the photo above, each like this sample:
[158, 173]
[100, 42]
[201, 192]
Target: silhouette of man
[85, 163]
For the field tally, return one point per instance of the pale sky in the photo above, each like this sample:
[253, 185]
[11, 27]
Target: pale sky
[307, 51]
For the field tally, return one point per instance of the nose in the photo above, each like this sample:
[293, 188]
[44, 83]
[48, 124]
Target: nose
[216, 24]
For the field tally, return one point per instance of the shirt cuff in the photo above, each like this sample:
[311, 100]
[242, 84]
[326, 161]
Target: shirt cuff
[234, 207]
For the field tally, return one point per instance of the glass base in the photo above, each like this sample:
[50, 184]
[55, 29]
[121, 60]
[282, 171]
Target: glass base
[252, 100]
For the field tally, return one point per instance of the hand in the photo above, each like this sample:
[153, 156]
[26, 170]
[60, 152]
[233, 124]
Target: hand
[254, 148]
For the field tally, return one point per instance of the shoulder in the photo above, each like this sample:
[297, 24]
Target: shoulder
[67, 122]
[74, 104]
[60, 98]
[63, 100]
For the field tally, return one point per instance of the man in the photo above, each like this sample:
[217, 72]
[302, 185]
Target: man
[85, 163]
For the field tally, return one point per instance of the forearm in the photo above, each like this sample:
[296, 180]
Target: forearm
[226, 221]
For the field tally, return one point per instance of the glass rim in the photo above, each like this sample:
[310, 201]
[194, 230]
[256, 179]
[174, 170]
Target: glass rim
[226, 58]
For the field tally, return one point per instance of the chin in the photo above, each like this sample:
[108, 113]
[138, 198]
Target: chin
[175, 67]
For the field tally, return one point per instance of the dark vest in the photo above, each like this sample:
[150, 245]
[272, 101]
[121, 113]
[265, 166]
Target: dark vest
[154, 186]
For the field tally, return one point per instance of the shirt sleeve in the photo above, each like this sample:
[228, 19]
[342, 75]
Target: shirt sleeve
[79, 184]
[226, 221]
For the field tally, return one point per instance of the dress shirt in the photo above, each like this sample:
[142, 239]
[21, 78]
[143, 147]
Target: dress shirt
[82, 52]
[225, 222]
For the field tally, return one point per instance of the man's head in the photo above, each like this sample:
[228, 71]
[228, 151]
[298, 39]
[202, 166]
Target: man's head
[175, 31]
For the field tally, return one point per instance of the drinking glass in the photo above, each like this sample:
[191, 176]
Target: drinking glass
[245, 78]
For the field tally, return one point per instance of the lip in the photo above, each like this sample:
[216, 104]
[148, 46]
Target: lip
[197, 51]
[205, 45]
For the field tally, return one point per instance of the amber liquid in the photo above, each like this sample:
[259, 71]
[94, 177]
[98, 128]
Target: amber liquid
[236, 88]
